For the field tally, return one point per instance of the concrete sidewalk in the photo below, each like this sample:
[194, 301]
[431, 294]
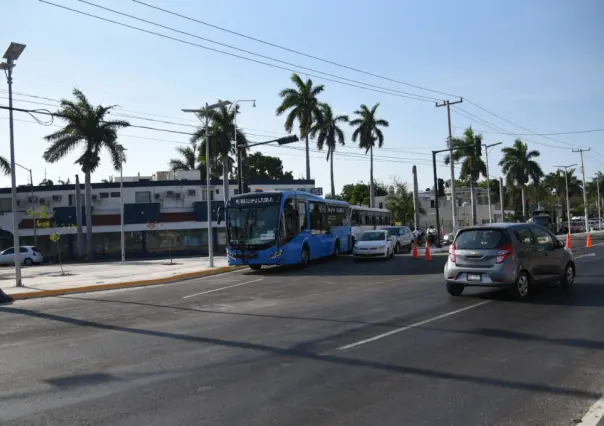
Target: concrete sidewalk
[40, 281]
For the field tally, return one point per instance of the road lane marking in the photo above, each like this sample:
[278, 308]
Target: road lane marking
[594, 415]
[222, 288]
[585, 255]
[414, 325]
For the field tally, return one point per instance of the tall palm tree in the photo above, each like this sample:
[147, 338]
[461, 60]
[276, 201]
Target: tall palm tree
[221, 132]
[472, 165]
[519, 165]
[86, 126]
[329, 134]
[4, 165]
[367, 132]
[188, 160]
[303, 105]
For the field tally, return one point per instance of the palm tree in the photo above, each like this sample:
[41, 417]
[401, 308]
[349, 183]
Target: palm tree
[303, 106]
[64, 182]
[400, 204]
[367, 132]
[472, 166]
[329, 134]
[518, 164]
[4, 165]
[221, 138]
[88, 127]
[188, 160]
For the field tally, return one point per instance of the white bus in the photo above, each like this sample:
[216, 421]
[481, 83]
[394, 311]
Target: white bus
[365, 218]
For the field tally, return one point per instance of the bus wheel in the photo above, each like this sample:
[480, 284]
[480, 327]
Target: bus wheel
[305, 257]
[255, 267]
[336, 250]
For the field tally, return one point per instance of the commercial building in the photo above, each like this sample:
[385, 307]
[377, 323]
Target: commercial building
[166, 212]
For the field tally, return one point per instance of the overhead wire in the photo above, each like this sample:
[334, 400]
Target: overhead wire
[369, 87]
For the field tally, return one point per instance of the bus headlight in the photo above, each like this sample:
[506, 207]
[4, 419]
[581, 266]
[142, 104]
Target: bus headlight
[277, 254]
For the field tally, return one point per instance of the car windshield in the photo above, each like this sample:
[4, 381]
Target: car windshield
[253, 225]
[393, 231]
[373, 236]
[479, 239]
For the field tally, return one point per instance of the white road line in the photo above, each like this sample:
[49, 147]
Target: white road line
[585, 255]
[222, 288]
[594, 415]
[409, 327]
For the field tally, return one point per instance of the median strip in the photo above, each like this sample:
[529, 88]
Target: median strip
[120, 285]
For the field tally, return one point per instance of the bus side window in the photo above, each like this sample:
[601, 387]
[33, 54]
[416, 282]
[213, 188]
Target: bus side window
[316, 218]
[291, 218]
[303, 216]
[354, 218]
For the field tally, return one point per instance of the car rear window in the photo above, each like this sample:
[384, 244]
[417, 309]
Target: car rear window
[480, 239]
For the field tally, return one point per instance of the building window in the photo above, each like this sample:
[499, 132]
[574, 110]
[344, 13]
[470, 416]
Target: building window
[142, 197]
[104, 195]
[204, 195]
[115, 195]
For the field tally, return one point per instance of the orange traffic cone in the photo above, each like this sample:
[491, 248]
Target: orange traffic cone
[428, 257]
[588, 245]
[569, 242]
[415, 251]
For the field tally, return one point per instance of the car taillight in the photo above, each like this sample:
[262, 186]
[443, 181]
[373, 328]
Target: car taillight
[503, 253]
[452, 255]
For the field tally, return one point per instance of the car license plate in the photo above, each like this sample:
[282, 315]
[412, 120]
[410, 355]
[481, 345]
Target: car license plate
[473, 277]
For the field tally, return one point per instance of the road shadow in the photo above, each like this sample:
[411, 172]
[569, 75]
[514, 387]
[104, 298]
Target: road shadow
[523, 337]
[346, 265]
[336, 360]
[587, 292]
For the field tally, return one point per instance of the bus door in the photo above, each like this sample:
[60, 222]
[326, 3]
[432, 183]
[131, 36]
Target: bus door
[294, 222]
[319, 229]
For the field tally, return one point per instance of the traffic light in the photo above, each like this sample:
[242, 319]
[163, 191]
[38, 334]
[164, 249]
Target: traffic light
[287, 139]
[478, 147]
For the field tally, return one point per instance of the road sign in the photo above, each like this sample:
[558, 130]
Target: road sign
[316, 191]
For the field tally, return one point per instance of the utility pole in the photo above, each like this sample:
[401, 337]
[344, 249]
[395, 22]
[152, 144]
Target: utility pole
[567, 195]
[451, 163]
[599, 200]
[486, 153]
[580, 151]
[501, 188]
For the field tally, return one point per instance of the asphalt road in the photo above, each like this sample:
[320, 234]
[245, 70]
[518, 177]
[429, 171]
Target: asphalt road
[339, 343]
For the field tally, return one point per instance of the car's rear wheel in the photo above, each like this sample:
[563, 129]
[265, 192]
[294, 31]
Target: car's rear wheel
[568, 278]
[255, 267]
[28, 261]
[305, 257]
[455, 289]
[521, 289]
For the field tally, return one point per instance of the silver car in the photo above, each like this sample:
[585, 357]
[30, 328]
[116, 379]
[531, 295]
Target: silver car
[507, 255]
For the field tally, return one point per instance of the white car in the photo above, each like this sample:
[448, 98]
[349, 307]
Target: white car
[403, 238]
[374, 244]
[28, 255]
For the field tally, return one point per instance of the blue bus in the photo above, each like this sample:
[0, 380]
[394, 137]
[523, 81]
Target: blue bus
[284, 228]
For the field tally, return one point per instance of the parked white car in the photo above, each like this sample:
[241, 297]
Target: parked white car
[403, 238]
[28, 255]
[374, 244]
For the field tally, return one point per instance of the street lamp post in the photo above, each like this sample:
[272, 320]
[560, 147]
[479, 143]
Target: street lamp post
[12, 54]
[122, 237]
[239, 157]
[567, 196]
[599, 201]
[31, 187]
[486, 154]
[204, 114]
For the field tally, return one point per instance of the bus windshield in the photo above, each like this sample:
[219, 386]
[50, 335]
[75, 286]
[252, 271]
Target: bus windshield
[253, 220]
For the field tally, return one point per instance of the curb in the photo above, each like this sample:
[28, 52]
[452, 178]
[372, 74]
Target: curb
[115, 286]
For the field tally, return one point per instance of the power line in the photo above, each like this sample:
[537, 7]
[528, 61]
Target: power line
[370, 88]
[574, 132]
[544, 135]
[473, 117]
[295, 51]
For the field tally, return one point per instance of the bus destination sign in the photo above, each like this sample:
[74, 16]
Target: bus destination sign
[256, 199]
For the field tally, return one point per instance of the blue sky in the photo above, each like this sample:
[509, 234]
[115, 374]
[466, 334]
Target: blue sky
[538, 64]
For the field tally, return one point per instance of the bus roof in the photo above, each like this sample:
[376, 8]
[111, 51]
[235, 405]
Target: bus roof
[306, 195]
